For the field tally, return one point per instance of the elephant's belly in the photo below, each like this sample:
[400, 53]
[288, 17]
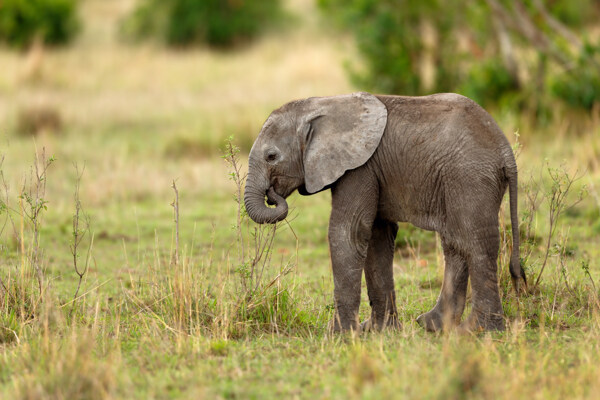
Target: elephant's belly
[428, 223]
[391, 208]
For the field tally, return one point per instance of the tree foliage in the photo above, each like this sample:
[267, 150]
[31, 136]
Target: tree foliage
[51, 21]
[493, 51]
[219, 23]
[580, 87]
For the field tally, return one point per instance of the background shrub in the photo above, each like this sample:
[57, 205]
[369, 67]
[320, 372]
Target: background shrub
[388, 34]
[490, 82]
[53, 21]
[219, 23]
[580, 87]
[475, 48]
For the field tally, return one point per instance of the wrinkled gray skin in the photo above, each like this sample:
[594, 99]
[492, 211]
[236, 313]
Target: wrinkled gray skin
[439, 162]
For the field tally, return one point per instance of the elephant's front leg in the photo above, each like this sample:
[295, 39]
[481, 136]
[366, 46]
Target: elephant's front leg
[354, 205]
[380, 276]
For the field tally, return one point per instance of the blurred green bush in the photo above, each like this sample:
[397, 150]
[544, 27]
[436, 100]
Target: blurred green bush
[580, 87]
[54, 22]
[389, 36]
[489, 82]
[218, 23]
[512, 53]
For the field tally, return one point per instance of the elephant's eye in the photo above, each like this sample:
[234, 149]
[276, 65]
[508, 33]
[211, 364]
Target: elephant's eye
[271, 156]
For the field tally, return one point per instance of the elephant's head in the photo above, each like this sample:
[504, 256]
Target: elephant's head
[307, 145]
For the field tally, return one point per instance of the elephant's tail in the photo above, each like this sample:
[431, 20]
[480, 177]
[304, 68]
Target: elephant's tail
[517, 273]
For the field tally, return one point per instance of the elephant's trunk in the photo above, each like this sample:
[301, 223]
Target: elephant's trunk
[254, 199]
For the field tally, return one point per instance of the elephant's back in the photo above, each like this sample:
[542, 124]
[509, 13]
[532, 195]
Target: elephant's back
[442, 123]
[435, 147]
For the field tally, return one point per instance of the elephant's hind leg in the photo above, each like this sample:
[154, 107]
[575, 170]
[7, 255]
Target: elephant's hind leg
[487, 311]
[380, 277]
[451, 301]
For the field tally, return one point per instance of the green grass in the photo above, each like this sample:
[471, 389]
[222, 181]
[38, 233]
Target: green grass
[146, 328]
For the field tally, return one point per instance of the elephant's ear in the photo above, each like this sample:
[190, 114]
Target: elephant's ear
[339, 133]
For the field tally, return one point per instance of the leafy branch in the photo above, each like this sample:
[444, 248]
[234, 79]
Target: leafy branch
[556, 198]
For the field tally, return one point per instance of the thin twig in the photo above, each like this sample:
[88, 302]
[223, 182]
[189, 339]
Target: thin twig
[79, 235]
[140, 304]
[558, 26]
[175, 205]
[13, 332]
[561, 186]
[232, 158]
[83, 294]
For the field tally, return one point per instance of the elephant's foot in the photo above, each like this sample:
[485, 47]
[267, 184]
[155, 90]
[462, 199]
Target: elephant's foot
[335, 325]
[480, 323]
[431, 321]
[371, 325]
[436, 321]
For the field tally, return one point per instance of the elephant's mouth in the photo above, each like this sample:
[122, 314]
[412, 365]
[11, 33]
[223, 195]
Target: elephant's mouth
[271, 196]
[269, 199]
[258, 211]
[302, 190]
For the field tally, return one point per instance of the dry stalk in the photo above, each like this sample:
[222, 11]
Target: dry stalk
[175, 205]
[80, 217]
[556, 197]
[3, 202]
[255, 254]
[4, 209]
[232, 158]
[32, 206]
[585, 266]
[563, 266]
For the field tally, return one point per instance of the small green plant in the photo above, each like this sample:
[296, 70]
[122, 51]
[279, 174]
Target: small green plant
[585, 267]
[32, 205]
[257, 280]
[19, 285]
[251, 296]
[53, 22]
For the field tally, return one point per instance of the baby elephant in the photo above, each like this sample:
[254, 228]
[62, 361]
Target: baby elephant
[439, 162]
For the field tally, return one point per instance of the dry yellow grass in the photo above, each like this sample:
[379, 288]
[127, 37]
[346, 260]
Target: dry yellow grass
[100, 78]
[103, 84]
[138, 334]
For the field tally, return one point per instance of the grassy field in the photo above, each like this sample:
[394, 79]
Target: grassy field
[243, 311]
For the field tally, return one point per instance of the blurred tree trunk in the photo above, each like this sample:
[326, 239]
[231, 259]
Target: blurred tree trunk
[504, 42]
[519, 21]
[428, 64]
[34, 60]
[557, 26]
